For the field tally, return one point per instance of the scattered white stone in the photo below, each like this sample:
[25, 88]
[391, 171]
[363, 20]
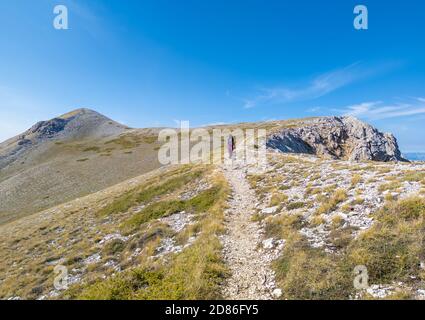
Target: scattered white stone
[113, 236]
[316, 236]
[55, 262]
[178, 221]
[168, 245]
[200, 187]
[379, 291]
[270, 210]
[135, 253]
[421, 294]
[277, 293]
[139, 208]
[268, 244]
[112, 264]
[92, 259]
[72, 279]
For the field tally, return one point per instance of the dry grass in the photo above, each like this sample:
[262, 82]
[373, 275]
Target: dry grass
[295, 205]
[413, 176]
[71, 233]
[317, 220]
[196, 273]
[337, 221]
[330, 204]
[355, 180]
[391, 250]
[390, 186]
[278, 199]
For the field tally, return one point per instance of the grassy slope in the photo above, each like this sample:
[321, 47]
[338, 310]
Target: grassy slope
[61, 171]
[195, 273]
[74, 232]
[391, 249]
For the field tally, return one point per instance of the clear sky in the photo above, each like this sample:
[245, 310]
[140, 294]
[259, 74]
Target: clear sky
[152, 63]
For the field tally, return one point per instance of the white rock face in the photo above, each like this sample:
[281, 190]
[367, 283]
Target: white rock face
[337, 138]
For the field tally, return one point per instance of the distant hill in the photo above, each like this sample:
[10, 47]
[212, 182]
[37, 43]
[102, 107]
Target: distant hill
[67, 157]
[415, 156]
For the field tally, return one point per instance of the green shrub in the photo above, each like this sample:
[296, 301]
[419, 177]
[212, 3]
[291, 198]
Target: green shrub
[114, 247]
[295, 205]
[200, 203]
[146, 194]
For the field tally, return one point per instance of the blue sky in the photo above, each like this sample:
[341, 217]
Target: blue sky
[151, 63]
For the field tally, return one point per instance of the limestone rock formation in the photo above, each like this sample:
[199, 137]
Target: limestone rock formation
[337, 138]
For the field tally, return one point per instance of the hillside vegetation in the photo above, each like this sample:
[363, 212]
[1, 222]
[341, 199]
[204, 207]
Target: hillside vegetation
[173, 248]
[85, 193]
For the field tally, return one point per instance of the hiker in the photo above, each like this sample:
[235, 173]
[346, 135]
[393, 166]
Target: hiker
[231, 146]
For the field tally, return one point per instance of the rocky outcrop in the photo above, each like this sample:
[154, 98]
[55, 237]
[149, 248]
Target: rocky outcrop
[48, 128]
[337, 138]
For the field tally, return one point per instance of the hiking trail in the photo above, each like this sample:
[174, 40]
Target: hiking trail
[251, 277]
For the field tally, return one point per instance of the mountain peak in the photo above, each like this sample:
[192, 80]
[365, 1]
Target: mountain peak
[80, 111]
[78, 123]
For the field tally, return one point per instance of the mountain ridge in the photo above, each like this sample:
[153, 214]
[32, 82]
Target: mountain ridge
[82, 151]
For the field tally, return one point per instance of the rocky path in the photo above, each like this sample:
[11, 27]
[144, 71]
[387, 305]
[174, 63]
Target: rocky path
[251, 276]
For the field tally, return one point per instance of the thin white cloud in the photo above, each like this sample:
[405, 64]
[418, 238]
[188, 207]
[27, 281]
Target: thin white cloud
[314, 109]
[318, 87]
[378, 110]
